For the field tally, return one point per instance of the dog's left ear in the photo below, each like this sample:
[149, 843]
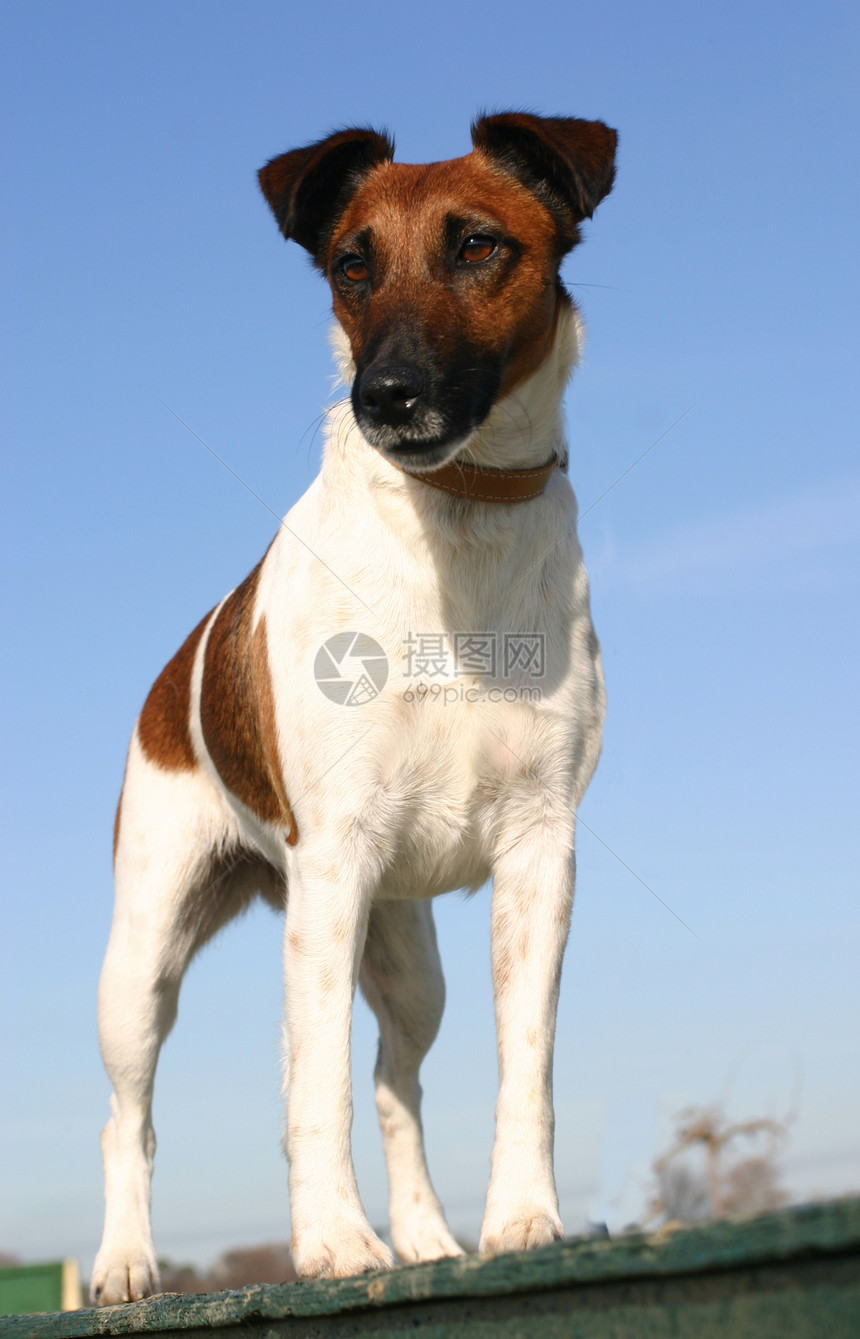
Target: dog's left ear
[569, 164]
[308, 189]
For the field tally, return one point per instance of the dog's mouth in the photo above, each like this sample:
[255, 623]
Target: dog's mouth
[417, 417]
[415, 454]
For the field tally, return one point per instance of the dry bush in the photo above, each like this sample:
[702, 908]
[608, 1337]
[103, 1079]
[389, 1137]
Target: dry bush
[752, 1186]
[701, 1176]
[236, 1268]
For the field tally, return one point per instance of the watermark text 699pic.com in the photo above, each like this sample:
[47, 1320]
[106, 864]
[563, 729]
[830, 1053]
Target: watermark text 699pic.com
[352, 669]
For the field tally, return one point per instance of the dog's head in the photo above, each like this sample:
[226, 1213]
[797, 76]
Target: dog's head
[444, 275]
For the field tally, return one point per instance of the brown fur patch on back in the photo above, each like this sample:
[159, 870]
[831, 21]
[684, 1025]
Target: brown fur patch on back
[164, 730]
[237, 710]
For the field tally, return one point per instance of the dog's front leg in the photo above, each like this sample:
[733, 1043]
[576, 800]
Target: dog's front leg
[326, 923]
[532, 899]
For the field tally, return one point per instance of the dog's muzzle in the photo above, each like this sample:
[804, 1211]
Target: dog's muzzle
[390, 395]
[418, 412]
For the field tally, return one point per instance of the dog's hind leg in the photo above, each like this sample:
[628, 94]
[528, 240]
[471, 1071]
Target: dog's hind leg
[401, 978]
[179, 877]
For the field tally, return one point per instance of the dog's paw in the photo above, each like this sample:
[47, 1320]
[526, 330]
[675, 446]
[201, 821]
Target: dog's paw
[424, 1238]
[524, 1230]
[124, 1276]
[338, 1252]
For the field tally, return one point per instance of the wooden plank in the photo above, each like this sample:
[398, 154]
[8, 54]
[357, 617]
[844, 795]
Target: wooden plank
[794, 1274]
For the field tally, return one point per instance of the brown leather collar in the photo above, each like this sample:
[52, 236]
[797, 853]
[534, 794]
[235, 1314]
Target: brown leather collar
[482, 484]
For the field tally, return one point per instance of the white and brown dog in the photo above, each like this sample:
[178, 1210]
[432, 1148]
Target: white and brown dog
[294, 747]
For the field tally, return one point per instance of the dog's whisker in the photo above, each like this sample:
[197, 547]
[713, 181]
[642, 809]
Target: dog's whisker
[611, 287]
[312, 428]
[525, 411]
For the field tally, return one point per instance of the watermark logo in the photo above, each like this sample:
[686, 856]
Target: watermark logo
[351, 669]
[448, 693]
[508, 655]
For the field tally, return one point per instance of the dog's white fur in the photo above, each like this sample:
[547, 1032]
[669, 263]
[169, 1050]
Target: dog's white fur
[397, 802]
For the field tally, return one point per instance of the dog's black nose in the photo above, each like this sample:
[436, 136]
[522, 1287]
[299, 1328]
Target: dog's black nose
[390, 393]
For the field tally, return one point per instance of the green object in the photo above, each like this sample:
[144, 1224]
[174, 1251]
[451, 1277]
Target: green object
[31, 1288]
[791, 1275]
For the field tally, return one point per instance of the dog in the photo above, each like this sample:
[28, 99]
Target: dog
[404, 698]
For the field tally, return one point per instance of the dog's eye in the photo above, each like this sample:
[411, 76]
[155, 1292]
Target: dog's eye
[478, 248]
[354, 269]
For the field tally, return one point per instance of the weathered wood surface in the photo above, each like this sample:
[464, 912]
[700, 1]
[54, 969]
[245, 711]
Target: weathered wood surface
[793, 1274]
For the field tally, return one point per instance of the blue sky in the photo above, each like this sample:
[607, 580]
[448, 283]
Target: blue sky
[144, 272]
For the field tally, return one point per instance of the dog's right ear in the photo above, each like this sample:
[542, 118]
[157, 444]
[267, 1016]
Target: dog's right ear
[308, 189]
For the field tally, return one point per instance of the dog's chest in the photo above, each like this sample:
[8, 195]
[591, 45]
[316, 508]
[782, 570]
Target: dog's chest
[446, 712]
[447, 778]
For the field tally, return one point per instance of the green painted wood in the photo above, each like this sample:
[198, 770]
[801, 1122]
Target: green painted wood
[794, 1274]
[31, 1287]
